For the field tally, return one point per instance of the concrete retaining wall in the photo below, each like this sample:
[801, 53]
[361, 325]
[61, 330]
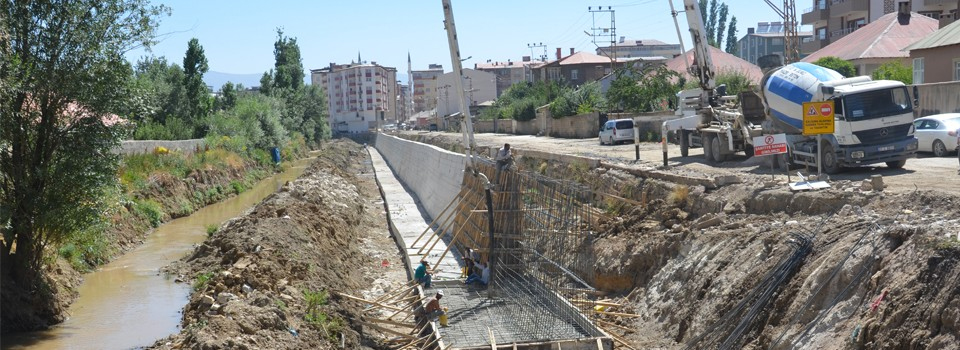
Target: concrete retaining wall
[938, 98]
[147, 146]
[434, 174]
[504, 126]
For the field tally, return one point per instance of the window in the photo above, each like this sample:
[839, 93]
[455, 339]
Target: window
[574, 74]
[822, 33]
[931, 14]
[918, 70]
[956, 69]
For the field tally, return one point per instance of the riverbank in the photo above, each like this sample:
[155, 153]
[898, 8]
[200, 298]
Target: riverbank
[269, 279]
[153, 188]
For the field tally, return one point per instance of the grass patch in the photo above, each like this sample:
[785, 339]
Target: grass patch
[331, 326]
[202, 280]
[211, 229]
[680, 195]
[237, 186]
[86, 249]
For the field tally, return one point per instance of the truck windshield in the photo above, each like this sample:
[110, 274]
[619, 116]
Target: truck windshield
[876, 104]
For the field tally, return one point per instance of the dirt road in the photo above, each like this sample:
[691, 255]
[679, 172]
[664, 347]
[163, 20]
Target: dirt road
[924, 172]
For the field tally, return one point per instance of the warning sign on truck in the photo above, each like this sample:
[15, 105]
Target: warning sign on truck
[769, 144]
[817, 118]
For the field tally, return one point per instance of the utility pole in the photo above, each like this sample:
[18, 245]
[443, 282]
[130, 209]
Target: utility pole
[612, 30]
[538, 45]
[791, 41]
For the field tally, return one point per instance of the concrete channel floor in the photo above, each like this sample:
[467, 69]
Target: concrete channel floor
[472, 314]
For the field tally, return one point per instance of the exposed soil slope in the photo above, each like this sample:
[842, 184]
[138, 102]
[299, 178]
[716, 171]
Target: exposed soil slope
[268, 279]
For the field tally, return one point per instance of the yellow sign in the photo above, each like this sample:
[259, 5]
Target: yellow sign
[817, 118]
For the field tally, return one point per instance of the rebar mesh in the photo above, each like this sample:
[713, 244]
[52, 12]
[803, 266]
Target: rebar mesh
[542, 246]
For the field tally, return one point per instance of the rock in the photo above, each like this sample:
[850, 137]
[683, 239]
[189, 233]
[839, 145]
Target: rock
[206, 300]
[226, 297]
[247, 288]
[791, 223]
[877, 182]
[708, 220]
[282, 283]
[242, 263]
[215, 307]
[286, 297]
[866, 186]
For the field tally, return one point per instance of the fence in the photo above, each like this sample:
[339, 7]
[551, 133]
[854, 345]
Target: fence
[936, 98]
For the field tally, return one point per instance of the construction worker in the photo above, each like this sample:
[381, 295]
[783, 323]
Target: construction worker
[430, 311]
[504, 160]
[423, 274]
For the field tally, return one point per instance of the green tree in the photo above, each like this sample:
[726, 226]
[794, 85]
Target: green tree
[197, 95]
[159, 89]
[645, 91]
[315, 125]
[227, 98]
[731, 46]
[266, 83]
[712, 22]
[63, 77]
[288, 66]
[894, 70]
[721, 26]
[836, 63]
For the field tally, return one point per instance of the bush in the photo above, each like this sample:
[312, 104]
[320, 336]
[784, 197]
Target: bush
[836, 63]
[151, 210]
[894, 70]
[211, 229]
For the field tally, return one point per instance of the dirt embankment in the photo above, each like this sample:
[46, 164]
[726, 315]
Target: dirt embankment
[700, 267]
[269, 278]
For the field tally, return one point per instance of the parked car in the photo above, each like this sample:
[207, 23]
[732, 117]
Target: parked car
[615, 131]
[937, 133]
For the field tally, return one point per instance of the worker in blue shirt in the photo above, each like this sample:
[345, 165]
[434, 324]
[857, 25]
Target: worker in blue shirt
[423, 274]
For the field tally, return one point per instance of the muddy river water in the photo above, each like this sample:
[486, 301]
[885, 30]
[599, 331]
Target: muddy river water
[128, 303]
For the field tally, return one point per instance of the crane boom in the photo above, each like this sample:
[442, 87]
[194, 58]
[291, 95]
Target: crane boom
[703, 62]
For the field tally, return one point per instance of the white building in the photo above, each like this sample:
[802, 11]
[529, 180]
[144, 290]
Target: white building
[639, 48]
[425, 87]
[478, 87]
[358, 95]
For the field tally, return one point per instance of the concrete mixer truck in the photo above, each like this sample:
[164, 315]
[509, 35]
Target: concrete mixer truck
[873, 119]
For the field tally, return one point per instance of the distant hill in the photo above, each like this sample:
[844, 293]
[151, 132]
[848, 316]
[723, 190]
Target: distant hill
[217, 79]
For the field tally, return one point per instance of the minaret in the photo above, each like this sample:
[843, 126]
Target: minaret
[409, 86]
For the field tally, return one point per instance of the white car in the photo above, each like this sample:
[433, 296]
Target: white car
[615, 131]
[937, 133]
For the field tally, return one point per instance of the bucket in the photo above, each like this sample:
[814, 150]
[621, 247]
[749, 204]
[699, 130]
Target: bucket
[443, 318]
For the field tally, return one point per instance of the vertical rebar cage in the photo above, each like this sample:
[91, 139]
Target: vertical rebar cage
[543, 248]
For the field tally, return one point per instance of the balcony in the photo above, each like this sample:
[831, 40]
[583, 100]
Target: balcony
[817, 15]
[939, 2]
[837, 34]
[811, 45]
[849, 8]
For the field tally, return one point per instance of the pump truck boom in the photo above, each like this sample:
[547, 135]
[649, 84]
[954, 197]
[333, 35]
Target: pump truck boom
[873, 119]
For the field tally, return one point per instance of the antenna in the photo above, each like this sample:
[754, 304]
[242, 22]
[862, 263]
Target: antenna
[610, 31]
[538, 45]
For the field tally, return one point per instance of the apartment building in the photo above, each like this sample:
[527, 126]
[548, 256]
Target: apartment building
[834, 19]
[765, 39]
[509, 72]
[478, 86]
[639, 48]
[425, 87]
[358, 94]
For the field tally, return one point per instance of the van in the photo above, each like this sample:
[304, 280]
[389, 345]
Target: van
[615, 131]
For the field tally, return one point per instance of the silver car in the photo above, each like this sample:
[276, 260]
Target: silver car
[616, 131]
[937, 133]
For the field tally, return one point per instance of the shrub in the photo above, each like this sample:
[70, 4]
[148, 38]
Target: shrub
[836, 63]
[202, 280]
[331, 326]
[237, 186]
[211, 229]
[149, 209]
[894, 70]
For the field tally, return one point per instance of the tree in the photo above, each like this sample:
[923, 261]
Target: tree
[646, 91]
[288, 66]
[712, 22]
[315, 125]
[64, 76]
[197, 95]
[732, 36]
[266, 83]
[721, 26]
[227, 98]
[894, 70]
[843, 67]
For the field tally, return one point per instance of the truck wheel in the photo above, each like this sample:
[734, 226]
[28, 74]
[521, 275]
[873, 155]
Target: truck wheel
[684, 143]
[708, 147]
[830, 163]
[939, 149]
[897, 164]
[717, 149]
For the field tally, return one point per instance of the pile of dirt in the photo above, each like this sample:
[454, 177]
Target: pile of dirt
[880, 275]
[270, 278]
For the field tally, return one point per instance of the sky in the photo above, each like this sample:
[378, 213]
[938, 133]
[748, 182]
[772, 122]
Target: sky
[238, 36]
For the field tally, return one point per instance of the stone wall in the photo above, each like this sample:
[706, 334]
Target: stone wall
[503, 126]
[432, 173]
[147, 146]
